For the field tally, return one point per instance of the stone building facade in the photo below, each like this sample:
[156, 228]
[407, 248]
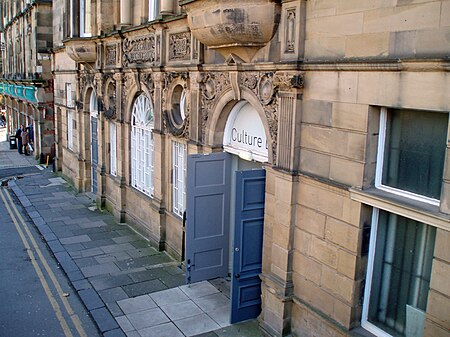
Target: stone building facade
[26, 81]
[345, 104]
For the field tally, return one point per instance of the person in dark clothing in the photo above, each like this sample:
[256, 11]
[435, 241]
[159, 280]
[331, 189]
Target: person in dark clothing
[19, 139]
[25, 140]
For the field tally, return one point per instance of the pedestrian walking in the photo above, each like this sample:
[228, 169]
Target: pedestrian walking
[19, 139]
[25, 140]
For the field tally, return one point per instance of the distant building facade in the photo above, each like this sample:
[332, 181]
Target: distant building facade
[165, 107]
[26, 81]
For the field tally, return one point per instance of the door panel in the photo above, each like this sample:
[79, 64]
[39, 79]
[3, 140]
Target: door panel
[207, 216]
[248, 240]
[94, 153]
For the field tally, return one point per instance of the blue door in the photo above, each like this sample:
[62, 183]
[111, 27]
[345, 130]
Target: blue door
[207, 216]
[248, 240]
[94, 154]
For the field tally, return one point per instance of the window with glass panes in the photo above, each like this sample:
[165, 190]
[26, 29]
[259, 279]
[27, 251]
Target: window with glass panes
[113, 148]
[85, 18]
[152, 9]
[399, 274]
[142, 145]
[411, 153]
[69, 130]
[178, 177]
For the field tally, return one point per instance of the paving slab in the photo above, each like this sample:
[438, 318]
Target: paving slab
[162, 330]
[194, 325]
[148, 318]
[169, 296]
[141, 288]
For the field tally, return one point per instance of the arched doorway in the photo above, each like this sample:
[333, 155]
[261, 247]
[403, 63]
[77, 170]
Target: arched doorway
[93, 110]
[225, 211]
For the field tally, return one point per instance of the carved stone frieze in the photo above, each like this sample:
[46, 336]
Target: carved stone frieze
[180, 46]
[138, 50]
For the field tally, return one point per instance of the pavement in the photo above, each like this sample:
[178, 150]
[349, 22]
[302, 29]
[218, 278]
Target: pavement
[129, 287]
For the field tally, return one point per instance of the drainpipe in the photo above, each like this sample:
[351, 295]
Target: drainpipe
[125, 12]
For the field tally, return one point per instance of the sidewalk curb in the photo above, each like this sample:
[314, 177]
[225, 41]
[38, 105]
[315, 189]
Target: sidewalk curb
[99, 312]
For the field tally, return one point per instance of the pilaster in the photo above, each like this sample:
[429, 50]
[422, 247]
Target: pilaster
[278, 250]
[195, 125]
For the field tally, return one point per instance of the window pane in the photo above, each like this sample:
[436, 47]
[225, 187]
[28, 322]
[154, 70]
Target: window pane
[113, 153]
[401, 271]
[415, 151]
[142, 145]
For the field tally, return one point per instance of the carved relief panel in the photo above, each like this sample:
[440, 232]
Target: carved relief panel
[180, 46]
[292, 30]
[112, 55]
[139, 49]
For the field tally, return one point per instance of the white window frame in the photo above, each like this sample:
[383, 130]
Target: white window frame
[152, 10]
[369, 276]
[142, 147]
[69, 99]
[113, 148]
[69, 130]
[183, 100]
[368, 286]
[85, 18]
[179, 155]
[379, 167]
[71, 19]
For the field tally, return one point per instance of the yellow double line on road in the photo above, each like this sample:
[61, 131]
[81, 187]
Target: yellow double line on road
[29, 242]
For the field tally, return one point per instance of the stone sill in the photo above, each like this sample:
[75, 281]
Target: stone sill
[403, 206]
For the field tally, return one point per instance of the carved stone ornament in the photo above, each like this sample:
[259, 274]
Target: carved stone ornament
[79, 105]
[209, 88]
[265, 89]
[98, 84]
[127, 83]
[290, 30]
[110, 99]
[181, 130]
[180, 46]
[86, 80]
[146, 80]
[111, 55]
[138, 50]
[288, 81]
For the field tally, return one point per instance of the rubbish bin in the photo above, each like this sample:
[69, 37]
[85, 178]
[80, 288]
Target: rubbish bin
[12, 142]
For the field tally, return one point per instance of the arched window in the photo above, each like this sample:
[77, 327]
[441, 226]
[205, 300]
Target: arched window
[142, 145]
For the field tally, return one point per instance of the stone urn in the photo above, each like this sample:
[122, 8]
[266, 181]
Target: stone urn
[238, 27]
